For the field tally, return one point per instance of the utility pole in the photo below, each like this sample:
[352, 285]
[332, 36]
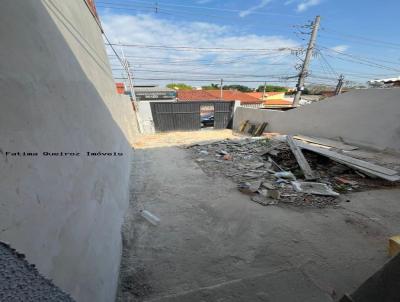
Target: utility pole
[265, 87]
[339, 86]
[221, 93]
[304, 69]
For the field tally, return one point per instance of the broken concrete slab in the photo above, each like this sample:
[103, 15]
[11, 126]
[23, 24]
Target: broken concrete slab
[263, 200]
[268, 185]
[247, 166]
[274, 194]
[363, 166]
[285, 175]
[249, 187]
[313, 188]
[325, 142]
[301, 160]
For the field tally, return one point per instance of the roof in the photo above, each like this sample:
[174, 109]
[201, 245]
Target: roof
[259, 95]
[195, 95]
[389, 80]
[215, 95]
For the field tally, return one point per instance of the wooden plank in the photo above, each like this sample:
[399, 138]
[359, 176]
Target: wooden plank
[301, 160]
[351, 161]
[243, 126]
[371, 172]
[325, 142]
[260, 129]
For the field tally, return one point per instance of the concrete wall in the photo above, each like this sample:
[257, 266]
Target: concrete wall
[57, 95]
[146, 117]
[368, 118]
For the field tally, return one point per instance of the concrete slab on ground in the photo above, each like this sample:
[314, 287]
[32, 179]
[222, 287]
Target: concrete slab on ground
[179, 138]
[215, 244]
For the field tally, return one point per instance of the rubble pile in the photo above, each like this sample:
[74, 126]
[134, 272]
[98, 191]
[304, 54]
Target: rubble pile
[269, 173]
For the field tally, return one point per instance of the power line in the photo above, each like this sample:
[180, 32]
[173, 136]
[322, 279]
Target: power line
[359, 59]
[329, 66]
[235, 59]
[204, 64]
[387, 43]
[361, 56]
[201, 80]
[211, 49]
[159, 4]
[229, 75]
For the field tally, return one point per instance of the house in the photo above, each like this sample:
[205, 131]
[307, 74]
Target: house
[389, 82]
[120, 88]
[154, 93]
[273, 100]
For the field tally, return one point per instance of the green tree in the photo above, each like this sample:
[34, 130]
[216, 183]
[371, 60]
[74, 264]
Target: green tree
[179, 86]
[241, 88]
[272, 88]
[210, 87]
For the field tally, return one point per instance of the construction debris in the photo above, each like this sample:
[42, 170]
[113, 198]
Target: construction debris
[285, 175]
[308, 173]
[363, 166]
[273, 172]
[313, 188]
[324, 142]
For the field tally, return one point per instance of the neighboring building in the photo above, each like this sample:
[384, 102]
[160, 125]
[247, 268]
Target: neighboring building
[273, 100]
[120, 88]
[389, 82]
[155, 93]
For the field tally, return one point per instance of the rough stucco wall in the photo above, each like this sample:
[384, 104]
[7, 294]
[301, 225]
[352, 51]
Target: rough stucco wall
[57, 95]
[369, 117]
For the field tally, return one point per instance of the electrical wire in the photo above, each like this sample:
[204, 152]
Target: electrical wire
[200, 80]
[159, 4]
[229, 75]
[361, 38]
[210, 49]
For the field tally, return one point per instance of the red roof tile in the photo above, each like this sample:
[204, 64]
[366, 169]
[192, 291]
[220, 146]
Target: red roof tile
[213, 95]
[194, 95]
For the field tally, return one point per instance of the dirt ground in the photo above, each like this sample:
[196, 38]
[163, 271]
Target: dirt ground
[214, 244]
[170, 139]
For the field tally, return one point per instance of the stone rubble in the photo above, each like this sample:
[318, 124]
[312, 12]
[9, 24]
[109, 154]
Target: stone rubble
[265, 170]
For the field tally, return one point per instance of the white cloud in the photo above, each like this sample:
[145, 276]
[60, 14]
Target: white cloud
[150, 30]
[288, 2]
[252, 9]
[306, 4]
[340, 48]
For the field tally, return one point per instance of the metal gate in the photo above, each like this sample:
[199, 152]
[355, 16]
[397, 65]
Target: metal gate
[223, 114]
[168, 116]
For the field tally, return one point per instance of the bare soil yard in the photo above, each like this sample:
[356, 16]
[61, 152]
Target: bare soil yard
[215, 244]
[169, 139]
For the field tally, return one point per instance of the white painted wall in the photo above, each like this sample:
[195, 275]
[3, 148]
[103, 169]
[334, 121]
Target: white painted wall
[57, 95]
[367, 117]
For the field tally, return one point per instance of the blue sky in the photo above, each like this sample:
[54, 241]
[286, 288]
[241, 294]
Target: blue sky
[357, 38]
